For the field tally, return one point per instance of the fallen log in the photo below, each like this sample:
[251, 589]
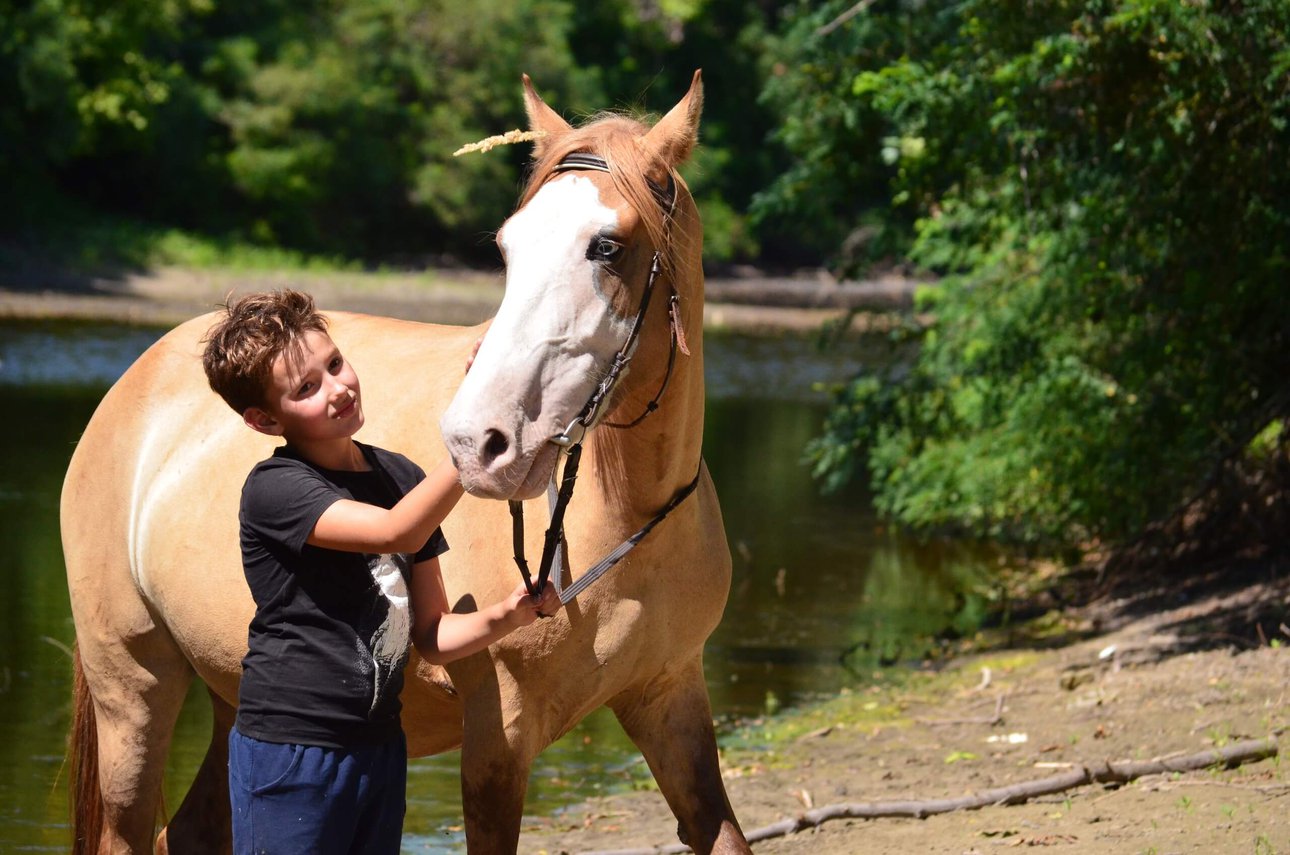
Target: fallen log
[1105, 772]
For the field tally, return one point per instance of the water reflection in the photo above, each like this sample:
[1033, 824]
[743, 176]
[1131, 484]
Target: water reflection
[821, 588]
[69, 353]
[35, 621]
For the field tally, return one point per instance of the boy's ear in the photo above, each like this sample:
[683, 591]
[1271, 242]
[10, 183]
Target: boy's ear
[260, 421]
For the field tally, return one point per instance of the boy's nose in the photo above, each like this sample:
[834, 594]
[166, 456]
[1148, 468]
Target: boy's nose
[338, 390]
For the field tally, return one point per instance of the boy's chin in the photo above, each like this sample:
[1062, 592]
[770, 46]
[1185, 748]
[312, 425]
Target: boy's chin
[353, 423]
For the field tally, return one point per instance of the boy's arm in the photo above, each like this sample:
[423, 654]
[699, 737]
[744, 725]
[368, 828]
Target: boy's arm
[442, 636]
[351, 526]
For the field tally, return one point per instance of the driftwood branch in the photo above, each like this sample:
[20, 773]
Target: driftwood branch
[997, 718]
[1106, 772]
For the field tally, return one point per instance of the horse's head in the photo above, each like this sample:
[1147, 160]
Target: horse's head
[578, 253]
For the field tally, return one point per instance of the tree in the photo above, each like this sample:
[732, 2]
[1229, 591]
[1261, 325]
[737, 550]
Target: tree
[330, 126]
[835, 197]
[344, 134]
[79, 78]
[1101, 185]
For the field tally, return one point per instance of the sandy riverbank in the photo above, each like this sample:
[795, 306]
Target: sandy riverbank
[1143, 672]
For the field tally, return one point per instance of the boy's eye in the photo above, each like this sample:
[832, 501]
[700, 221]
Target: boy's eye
[335, 364]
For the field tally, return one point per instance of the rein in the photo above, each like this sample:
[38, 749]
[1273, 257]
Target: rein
[571, 439]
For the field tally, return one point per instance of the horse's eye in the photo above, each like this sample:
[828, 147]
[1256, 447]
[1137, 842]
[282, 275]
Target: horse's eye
[604, 249]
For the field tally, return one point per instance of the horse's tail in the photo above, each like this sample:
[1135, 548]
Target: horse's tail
[85, 800]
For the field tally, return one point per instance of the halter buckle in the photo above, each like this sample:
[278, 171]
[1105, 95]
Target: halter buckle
[570, 436]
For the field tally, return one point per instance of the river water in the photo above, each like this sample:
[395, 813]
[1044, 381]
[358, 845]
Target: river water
[822, 590]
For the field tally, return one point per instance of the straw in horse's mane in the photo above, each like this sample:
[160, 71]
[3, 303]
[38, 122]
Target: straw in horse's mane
[635, 173]
[492, 142]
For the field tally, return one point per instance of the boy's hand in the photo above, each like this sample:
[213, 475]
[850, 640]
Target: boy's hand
[548, 602]
[523, 609]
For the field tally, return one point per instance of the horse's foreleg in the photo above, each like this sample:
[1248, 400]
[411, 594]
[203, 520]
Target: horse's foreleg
[204, 822]
[495, 766]
[670, 720]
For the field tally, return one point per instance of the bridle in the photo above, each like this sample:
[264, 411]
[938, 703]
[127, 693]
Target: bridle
[571, 438]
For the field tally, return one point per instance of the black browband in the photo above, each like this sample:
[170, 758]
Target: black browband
[580, 160]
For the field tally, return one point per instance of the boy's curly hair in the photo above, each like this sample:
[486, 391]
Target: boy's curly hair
[253, 331]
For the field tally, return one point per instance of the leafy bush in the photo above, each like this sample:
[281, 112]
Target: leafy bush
[1102, 186]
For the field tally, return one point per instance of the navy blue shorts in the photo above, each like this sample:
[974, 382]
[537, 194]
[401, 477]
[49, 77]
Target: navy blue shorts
[306, 799]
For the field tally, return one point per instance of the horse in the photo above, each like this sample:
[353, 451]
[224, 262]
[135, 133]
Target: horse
[149, 511]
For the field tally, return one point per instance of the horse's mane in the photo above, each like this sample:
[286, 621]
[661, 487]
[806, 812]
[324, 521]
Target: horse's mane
[616, 138]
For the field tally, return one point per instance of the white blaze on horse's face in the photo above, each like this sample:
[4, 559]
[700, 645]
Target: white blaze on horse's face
[553, 338]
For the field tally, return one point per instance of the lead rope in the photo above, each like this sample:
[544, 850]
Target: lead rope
[556, 535]
[553, 541]
[561, 548]
[602, 566]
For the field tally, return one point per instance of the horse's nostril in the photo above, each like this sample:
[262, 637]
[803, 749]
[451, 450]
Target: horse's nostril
[495, 445]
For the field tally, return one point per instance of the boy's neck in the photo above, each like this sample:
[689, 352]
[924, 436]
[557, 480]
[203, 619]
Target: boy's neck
[342, 455]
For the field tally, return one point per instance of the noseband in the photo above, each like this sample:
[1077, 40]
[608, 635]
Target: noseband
[571, 438]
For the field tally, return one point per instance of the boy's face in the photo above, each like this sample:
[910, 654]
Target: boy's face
[313, 399]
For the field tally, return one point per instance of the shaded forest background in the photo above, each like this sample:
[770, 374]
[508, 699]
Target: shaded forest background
[1097, 189]
[327, 128]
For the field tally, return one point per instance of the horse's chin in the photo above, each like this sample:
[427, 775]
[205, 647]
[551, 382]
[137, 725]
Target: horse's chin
[525, 478]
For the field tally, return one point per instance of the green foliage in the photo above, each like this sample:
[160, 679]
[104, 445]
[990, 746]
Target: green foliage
[77, 77]
[85, 241]
[828, 196]
[329, 127]
[1102, 186]
[345, 133]
[647, 58]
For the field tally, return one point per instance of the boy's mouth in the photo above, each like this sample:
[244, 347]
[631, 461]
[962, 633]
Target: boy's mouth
[347, 410]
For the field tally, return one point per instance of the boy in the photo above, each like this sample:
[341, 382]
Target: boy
[332, 532]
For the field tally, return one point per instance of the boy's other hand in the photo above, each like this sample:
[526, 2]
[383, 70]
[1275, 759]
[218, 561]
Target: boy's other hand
[548, 602]
[523, 609]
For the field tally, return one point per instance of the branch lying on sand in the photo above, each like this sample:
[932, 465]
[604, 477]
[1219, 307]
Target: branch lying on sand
[1106, 772]
[979, 719]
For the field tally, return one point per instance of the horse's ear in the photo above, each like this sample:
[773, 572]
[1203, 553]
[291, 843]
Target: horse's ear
[674, 136]
[542, 118]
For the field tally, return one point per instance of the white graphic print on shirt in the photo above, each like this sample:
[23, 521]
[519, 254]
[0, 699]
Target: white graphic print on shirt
[389, 639]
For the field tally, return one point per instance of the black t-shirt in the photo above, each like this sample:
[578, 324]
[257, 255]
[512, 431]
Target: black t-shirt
[330, 634]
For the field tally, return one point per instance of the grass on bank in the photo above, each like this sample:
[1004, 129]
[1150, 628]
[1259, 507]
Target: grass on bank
[881, 704]
[84, 240]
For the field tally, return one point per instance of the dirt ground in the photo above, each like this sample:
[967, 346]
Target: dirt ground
[1137, 675]
[1130, 672]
